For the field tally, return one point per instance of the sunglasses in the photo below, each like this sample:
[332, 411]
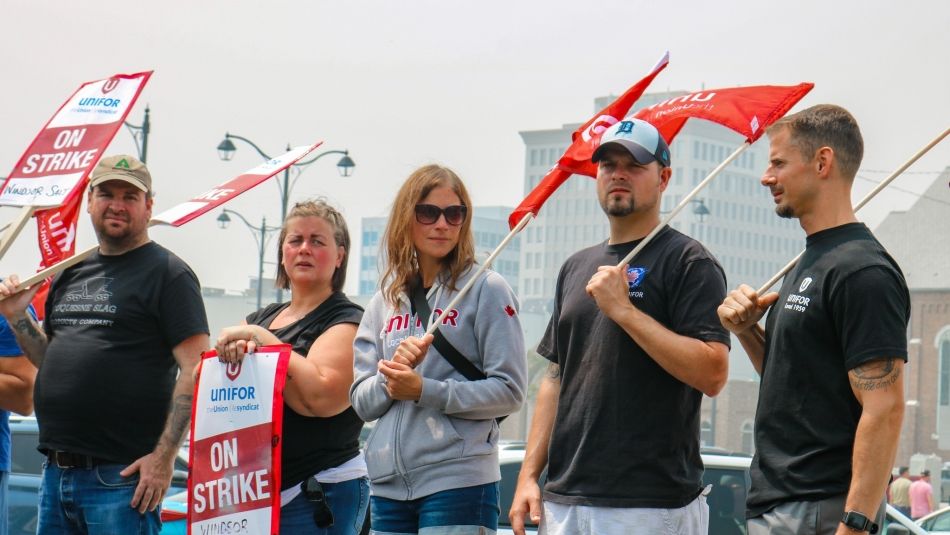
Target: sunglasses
[313, 492]
[427, 214]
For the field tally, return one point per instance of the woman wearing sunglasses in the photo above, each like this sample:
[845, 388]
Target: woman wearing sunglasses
[324, 488]
[433, 456]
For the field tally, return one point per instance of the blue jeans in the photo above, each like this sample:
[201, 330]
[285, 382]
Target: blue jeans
[348, 501]
[466, 510]
[4, 507]
[91, 501]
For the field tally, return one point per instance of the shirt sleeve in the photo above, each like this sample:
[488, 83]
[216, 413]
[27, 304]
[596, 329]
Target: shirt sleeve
[182, 311]
[368, 393]
[694, 299]
[548, 346]
[870, 309]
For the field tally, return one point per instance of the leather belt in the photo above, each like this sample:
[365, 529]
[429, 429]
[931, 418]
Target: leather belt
[64, 459]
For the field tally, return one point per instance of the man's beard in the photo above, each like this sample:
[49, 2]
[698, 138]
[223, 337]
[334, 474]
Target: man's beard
[617, 208]
[784, 211]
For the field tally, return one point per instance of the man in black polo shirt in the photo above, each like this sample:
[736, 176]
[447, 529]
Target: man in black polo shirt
[632, 351]
[111, 404]
[833, 348]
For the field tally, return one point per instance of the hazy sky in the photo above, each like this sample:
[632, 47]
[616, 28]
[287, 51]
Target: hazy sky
[405, 83]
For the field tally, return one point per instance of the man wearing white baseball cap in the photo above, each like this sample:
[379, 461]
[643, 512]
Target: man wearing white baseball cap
[111, 405]
[632, 352]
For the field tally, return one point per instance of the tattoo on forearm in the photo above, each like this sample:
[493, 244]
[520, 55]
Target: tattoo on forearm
[31, 339]
[553, 372]
[27, 328]
[178, 420]
[876, 375]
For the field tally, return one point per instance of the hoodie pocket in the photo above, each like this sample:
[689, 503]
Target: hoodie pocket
[428, 439]
[480, 437]
[379, 450]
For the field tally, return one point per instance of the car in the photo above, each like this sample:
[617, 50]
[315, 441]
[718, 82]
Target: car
[26, 467]
[728, 474]
[937, 522]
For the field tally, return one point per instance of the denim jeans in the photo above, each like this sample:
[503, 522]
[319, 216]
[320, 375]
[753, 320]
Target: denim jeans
[469, 510]
[91, 501]
[4, 514]
[348, 501]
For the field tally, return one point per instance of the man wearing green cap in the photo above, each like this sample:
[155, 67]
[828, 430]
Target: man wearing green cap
[123, 333]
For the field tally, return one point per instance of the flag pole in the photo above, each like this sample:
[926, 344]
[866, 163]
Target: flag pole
[471, 281]
[679, 207]
[877, 189]
[62, 265]
[14, 228]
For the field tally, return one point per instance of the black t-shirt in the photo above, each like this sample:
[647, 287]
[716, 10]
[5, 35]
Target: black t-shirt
[844, 304]
[626, 432]
[105, 386]
[313, 444]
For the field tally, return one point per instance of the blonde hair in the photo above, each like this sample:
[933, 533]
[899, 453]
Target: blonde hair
[341, 236]
[402, 265]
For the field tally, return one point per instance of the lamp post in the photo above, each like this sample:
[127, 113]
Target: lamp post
[260, 236]
[700, 209]
[345, 166]
[140, 131]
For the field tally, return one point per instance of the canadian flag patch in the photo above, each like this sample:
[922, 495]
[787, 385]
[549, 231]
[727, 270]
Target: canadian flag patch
[510, 310]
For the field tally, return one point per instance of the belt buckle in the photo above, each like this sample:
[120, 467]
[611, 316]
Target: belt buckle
[56, 459]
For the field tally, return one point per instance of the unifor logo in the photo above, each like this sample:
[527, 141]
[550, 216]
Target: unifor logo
[805, 284]
[598, 126]
[635, 276]
[233, 370]
[110, 84]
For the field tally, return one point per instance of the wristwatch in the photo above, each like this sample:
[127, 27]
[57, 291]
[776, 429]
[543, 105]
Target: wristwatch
[858, 522]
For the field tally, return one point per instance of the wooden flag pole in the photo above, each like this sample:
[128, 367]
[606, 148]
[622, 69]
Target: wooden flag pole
[877, 189]
[679, 207]
[491, 258]
[14, 228]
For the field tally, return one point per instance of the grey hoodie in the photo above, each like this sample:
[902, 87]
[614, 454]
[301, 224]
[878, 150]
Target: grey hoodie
[448, 439]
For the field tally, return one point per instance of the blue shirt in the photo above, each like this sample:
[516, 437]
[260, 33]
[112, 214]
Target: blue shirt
[8, 348]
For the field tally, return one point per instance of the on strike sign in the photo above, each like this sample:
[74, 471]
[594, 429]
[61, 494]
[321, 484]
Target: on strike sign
[234, 480]
[72, 142]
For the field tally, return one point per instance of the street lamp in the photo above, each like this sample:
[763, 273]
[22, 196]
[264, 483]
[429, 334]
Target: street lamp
[345, 166]
[140, 131]
[700, 209]
[260, 236]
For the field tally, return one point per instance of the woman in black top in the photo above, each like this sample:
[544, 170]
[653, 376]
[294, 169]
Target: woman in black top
[321, 430]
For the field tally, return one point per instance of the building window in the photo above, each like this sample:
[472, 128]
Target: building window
[748, 446]
[705, 434]
[945, 372]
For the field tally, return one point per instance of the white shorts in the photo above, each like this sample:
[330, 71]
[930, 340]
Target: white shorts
[560, 519]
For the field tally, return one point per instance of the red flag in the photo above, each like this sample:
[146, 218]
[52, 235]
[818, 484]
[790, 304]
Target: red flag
[746, 110]
[56, 233]
[576, 158]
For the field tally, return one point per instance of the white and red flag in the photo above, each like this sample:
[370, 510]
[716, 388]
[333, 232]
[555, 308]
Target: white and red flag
[184, 212]
[576, 158]
[72, 141]
[745, 110]
[180, 214]
[236, 426]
